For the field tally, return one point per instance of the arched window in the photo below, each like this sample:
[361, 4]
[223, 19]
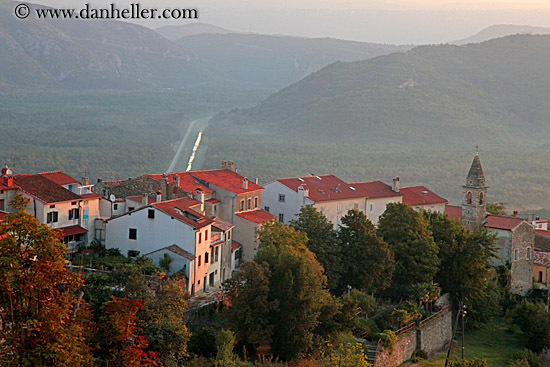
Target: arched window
[481, 198]
[469, 197]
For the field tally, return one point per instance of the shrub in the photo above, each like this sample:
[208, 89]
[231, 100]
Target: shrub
[367, 303]
[347, 355]
[366, 328]
[476, 362]
[525, 358]
[419, 355]
[388, 339]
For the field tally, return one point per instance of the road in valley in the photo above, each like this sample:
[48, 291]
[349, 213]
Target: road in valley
[196, 134]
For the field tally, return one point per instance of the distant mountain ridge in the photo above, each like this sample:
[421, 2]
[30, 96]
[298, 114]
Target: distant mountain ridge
[175, 32]
[495, 92]
[276, 61]
[92, 55]
[502, 30]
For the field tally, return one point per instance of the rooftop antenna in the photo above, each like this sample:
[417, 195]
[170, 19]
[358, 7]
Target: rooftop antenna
[111, 172]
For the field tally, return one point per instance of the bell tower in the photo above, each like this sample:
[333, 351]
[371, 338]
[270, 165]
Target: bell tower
[474, 201]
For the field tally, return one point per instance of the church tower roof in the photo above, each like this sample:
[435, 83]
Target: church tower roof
[475, 175]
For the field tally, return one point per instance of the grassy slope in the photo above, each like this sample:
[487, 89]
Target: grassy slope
[492, 342]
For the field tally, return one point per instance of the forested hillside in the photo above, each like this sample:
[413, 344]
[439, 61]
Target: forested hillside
[418, 114]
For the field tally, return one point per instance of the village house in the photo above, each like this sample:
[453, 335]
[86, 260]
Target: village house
[334, 197]
[515, 237]
[58, 200]
[152, 230]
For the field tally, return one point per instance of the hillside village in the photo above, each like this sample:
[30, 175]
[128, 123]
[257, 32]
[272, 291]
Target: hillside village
[207, 221]
[204, 226]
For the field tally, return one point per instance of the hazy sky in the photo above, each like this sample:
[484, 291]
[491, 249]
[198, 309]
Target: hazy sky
[397, 21]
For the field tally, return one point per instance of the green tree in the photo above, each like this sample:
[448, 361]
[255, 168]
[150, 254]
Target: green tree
[496, 208]
[465, 270]
[414, 249]
[322, 241]
[369, 260]
[534, 322]
[42, 315]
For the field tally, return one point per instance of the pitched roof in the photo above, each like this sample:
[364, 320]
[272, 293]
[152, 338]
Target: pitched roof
[420, 195]
[454, 212]
[4, 186]
[213, 201]
[257, 216]
[222, 224]
[3, 214]
[375, 189]
[322, 188]
[92, 195]
[541, 258]
[543, 232]
[138, 198]
[176, 250]
[72, 230]
[44, 189]
[59, 177]
[235, 245]
[186, 181]
[226, 179]
[475, 175]
[502, 222]
[180, 209]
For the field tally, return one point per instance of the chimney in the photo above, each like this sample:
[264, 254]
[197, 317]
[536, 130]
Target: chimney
[6, 171]
[245, 183]
[176, 184]
[537, 218]
[8, 181]
[199, 196]
[164, 185]
[224, 164]
[159, 196]
[85, 181]
[231, 165]
[515, 213]
[256, 181]
[144, 198]
[395, 184]
[303, 192]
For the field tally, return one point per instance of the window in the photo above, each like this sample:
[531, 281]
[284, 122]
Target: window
[281, 217]
[2, 204]
[206, 257]
[115, 207]
[199, 265]
[371, 207]
[215, 208]
[73, 203]
[241, 206]
[266, 208]
[200, 237]
[339, 207]
[132, 234]
[206, 235]
[249, 204]
[355, 206]
[74, 214]
[52, 206]
[211, 279]
[540, 276]
[52, 217]
[151, 214]
[469, 197]
[130, 209]
[86, 202]
[528, 253]
[256, 202]
[85, 214]
[70, 187]
[216, 253]
[516, 255]
[281, 198]
[480, 198]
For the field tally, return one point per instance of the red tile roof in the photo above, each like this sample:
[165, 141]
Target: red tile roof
[257, 216]
[181, 209]
[93, 195]
[186, 181]
[541, 258]
[502, 222]
[4, 186]
[2, 215]
[235, 245]
[375, 189]
[222, 224]
[59, 177]
[454, 212]
[543, 232]
[72, 230]
[213, 201]
[420, 195]
[138, 198]
[322, 188]
[226, 179]
[44, 189]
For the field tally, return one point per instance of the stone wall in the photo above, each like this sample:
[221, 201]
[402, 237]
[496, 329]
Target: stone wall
[521, 270]
[433, 336]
